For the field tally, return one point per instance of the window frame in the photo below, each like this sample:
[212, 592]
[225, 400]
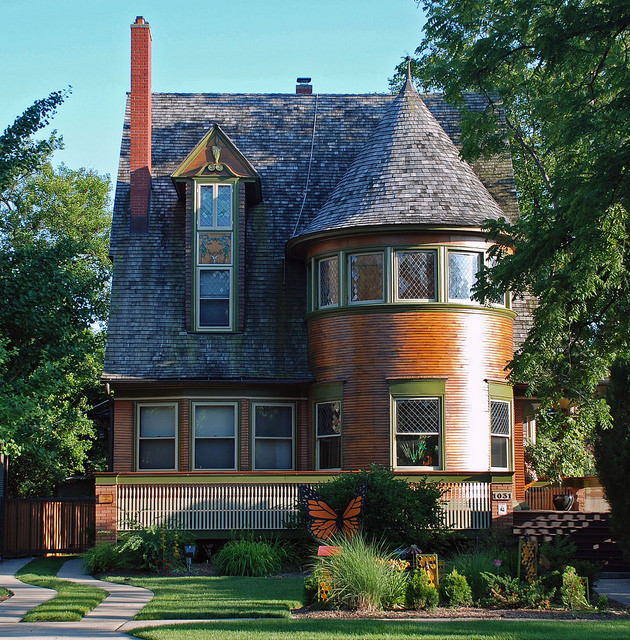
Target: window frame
[507, 438]
[231, 267]
[480, 254]
[439, 433]
[348, 255]
[436, 274]
[336, 436]
[255, 438]
[317, 281]
[174, 438]
[194, 437]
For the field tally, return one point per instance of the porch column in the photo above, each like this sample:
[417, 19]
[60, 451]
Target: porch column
[502, 500]
[106, 517]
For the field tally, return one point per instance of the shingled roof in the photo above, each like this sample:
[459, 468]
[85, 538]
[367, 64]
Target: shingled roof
[147, 329]
[408, 173]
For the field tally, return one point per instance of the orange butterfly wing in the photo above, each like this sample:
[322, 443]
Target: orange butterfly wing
[322, 520]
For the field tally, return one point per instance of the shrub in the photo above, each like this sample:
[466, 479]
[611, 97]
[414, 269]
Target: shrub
[364, 576]
[508, 592]
[248, 558]
[455, 590]
[156, 548]
[573, 590]
[558, 553]
[602, 603]
[101, 558]
[475, 565]
[395, 511]
[419, 594]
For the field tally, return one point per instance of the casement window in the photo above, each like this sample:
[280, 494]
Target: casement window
[416, 275]
[328, 435]
[214, 435]
[214, 257]
[274, 429]
[500, 434]
[328, 282]
[365, 277]
[417, 432]
[157, 436]
[462, 275]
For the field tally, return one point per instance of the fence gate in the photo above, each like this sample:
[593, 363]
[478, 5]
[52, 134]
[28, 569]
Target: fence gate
[34, 526]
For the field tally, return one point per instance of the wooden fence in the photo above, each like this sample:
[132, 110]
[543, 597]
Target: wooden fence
[34, 526]
[230, 507]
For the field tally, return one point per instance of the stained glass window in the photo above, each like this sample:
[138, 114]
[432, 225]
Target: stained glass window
[499, 434]
[366, 277]
[462, 274]
[215, 248]
[328, 282]
[416, 275]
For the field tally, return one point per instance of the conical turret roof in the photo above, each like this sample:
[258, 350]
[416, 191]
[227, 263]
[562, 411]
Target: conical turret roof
[409, 172]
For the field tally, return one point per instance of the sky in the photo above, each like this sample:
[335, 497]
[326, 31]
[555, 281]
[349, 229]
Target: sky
[234, 46]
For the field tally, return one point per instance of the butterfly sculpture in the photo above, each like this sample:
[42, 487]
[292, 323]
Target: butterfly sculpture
[323, 522]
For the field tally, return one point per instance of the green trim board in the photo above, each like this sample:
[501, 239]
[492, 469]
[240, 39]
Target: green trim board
[500, 390]
[322, 391]
[427, 387]
[406, 307]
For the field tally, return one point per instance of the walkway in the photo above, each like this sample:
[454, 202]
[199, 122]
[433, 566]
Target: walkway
[102, 623]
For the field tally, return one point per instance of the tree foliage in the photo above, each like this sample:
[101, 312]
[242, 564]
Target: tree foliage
[562, 72]
[54, 279]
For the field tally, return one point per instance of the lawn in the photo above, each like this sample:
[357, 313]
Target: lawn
[217, 597]
[328, 629]
[72, 601]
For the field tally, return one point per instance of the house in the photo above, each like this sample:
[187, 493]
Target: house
[291, 299]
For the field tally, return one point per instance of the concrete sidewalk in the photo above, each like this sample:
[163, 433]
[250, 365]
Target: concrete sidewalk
[617, 589]
[103, 622]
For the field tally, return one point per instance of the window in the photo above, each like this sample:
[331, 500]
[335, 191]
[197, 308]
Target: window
[418, 425]
[366, 277]
[500, 421]
[157, 433]
[416, 275]
[328, 430]
[214, 257]
[462, 274]
[328, 292]
[214, 434]
[273, 436]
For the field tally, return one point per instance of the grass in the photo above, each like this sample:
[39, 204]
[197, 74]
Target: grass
[326, 629]
[72, 601]
[5, 593]
[218, 597]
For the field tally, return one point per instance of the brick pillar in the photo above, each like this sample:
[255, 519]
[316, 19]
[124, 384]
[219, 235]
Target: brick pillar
[106, 513]
[502, 506]
[140, 125]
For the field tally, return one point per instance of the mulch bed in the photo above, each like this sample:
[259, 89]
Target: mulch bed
[614, 613]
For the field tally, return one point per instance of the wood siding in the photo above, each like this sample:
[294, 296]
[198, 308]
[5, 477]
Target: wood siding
[369, 349]
[123, 436]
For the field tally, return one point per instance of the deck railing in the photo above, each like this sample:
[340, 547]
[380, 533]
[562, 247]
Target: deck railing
[260, 506]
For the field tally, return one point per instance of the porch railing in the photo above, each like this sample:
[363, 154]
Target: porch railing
[260, 506]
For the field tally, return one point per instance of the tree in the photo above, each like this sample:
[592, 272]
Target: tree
[613, 454]
[54, 281]
[561, 71]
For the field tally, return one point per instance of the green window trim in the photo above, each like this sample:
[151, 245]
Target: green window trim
[215, 250]
[143, 441]
[351, 290]
[426, 387]
[207, 439]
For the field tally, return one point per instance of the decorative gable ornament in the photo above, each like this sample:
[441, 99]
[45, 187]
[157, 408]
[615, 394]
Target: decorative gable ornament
[215, 156]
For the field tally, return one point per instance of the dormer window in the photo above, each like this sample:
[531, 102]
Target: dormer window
[214, 256]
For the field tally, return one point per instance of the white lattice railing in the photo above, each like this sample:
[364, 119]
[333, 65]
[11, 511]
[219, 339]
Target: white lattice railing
[467, 505]
[234, 507]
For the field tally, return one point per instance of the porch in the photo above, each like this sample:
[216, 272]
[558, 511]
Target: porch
[212, 505]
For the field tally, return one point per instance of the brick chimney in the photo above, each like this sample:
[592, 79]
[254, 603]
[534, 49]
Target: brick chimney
[140, 136]
[303, 86]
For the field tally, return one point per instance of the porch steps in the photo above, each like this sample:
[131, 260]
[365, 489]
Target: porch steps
[589, 531]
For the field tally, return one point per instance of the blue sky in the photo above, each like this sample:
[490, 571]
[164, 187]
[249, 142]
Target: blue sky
[242, 46]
